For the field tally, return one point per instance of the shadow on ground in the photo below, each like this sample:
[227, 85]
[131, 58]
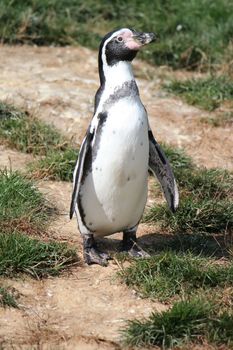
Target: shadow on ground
[215, 246]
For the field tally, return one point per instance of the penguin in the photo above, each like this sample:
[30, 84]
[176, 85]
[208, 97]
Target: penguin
[111, 174]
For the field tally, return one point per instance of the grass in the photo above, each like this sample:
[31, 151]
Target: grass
[22, 254]
[8, 111]
[25, 133]
[24, 211]
[188, 33]
[22, 205]
[207, 93]
[55, 166]
[170, 274]
[178, 159]
[221, 119]
[190, 321]
[7, 297]
[206, 204]
[196, 216]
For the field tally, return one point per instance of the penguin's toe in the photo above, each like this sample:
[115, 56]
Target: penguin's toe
[138, 252]
[94, 256]
[105, 256]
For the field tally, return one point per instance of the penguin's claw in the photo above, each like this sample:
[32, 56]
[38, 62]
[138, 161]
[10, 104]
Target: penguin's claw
[105, 256]
[94, 256]
[137, 252]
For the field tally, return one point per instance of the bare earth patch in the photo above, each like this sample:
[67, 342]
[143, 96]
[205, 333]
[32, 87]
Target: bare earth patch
[86, 307]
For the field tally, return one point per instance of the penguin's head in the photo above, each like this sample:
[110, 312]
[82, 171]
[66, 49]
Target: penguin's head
[123, 45]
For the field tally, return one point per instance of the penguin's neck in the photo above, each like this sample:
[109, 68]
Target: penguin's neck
[116, 75]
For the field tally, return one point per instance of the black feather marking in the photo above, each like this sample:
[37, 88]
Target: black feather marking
[161, 155]
[127, 89]
[172, 207]
[98, 97]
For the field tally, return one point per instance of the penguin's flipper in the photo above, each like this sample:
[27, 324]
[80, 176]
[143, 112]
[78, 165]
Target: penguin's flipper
[159, 165]
[78, 172]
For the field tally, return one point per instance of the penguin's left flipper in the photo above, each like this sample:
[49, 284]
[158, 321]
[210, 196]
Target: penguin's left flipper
[79, 169]
[159, 165]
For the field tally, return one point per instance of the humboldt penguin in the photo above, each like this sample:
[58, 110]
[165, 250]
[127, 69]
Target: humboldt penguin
[111, 173]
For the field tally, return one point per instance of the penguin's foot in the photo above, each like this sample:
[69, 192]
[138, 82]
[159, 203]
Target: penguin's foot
[130, 246]
[92, 255]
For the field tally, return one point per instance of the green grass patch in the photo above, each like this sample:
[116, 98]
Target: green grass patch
[188, 33]
[25, 133]
[178, 159]
[7, 297]
[170, 274]
[196, 216]
[206, 204]
[22, 206]
[192, 321]
[22, 254]
[56, 166]
[24, 212]
[206, 93]
[206, 183]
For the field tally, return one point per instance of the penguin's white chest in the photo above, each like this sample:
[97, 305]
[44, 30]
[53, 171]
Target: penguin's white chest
[114, 193]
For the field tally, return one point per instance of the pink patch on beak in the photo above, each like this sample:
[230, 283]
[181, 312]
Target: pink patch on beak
[132, 44]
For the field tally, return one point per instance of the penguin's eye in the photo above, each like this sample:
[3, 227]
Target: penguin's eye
[119, 39]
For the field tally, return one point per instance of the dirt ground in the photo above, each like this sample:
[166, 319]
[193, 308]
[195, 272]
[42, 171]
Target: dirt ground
[85, 307]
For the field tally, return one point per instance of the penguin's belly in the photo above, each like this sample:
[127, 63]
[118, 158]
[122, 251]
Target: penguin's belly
[114, 193]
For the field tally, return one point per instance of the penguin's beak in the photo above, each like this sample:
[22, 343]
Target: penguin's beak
[144, 38]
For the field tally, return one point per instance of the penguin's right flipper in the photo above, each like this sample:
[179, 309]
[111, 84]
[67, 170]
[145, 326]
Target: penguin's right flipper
[78, 172]
[159, 165]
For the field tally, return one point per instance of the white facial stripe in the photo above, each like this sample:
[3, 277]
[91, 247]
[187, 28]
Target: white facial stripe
[104, 60]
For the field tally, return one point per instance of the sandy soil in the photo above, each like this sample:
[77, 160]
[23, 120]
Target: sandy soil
[85, 307]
